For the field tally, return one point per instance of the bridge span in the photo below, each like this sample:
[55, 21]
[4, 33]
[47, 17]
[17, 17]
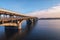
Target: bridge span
[9, 18]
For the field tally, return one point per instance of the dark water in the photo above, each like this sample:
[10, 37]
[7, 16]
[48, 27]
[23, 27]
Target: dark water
[41, 30]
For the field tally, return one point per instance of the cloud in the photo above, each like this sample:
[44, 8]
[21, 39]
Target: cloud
[50, 12]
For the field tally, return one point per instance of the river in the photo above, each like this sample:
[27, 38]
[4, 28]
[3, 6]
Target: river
[41, 30]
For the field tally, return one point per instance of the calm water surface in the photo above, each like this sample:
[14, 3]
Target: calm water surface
[41, 30]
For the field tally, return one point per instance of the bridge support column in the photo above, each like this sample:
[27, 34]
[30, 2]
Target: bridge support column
[19, 25]
[29, 21]
[0, 16]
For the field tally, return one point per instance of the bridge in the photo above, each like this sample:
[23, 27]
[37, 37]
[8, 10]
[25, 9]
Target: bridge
[9, 18]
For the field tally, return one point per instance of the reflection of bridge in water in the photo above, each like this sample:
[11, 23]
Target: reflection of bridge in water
[15, 34]
[8, 18]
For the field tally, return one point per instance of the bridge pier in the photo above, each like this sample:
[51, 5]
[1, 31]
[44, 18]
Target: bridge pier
[29, 21]
[19, 25]
[0, 16]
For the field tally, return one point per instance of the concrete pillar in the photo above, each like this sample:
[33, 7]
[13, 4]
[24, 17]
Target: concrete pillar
[29, 21]
[12, 21]
[19, 25]
[0, 16]
[3, 16]
[6, 16]
[32, 20]
[2, 21]
[11, 16]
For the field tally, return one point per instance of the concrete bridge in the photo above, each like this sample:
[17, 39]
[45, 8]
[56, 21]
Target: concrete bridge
[9, 18]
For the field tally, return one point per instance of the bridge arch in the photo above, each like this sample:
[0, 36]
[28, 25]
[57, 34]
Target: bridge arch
[28, 22]
[14, 19]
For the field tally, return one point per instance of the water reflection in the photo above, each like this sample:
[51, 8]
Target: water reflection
[11, 33]
[44, 30]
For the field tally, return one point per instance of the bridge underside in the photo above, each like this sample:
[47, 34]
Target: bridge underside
[16, 23]
[9, 24]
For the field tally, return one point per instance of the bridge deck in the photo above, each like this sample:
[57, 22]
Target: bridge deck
[7, 19]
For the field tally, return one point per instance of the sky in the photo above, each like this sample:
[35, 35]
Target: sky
[28, 6]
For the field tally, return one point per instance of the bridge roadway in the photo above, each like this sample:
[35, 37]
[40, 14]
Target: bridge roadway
[9, 18]
[12, 13]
